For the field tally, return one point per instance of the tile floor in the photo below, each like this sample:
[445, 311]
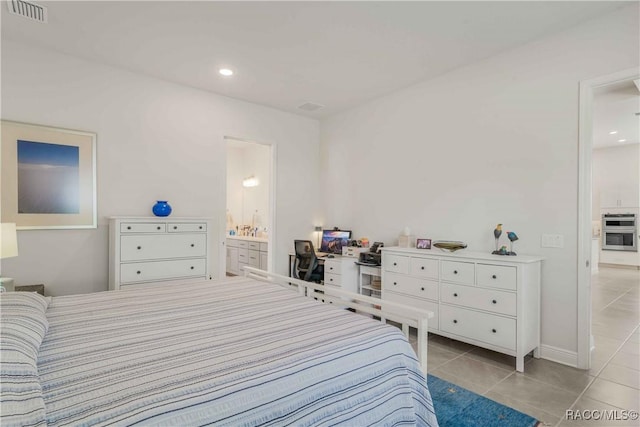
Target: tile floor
[547, 389]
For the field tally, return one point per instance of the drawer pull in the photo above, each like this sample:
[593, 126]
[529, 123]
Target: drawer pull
[139, 247]
[192, 267]
[422, 288]
[200, 228]
[494, 331]
[138, 272]
[331, 280]
[455, 294]
[129, 227]
[193, 245]
[494, 301]
[422, 268]
[395, 263]
[455, 271]
[455, 321]
[395, 283]
[175, 227]
[330, 268]
[494, 277]
[159, 227]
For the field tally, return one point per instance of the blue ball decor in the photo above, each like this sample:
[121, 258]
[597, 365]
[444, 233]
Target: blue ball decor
[161, 208]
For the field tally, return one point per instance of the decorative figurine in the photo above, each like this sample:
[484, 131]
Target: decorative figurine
[503, 251]
[512, 238]
[497, 233]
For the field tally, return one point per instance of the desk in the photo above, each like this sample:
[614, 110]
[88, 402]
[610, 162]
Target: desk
[370, 271]
[340, 271]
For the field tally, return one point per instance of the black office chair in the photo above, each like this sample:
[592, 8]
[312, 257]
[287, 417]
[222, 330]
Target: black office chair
[306, 266]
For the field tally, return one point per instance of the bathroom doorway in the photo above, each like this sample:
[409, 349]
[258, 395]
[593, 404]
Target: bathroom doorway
[250, 209]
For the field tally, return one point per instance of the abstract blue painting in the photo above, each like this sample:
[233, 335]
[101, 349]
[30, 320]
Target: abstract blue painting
[48, 178]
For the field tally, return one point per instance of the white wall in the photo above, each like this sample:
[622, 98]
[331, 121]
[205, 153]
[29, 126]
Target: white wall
[494, 142]
[156, 140]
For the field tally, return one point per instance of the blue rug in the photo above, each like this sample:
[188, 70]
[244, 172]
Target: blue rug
[459, 407]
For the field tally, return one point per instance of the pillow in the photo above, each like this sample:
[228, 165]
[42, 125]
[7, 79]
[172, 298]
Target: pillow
[23, 325]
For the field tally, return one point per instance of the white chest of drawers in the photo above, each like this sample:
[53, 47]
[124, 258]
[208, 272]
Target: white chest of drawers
[148, 250]
[487, 300]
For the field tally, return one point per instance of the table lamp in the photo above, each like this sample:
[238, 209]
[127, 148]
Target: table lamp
[8, 249]
[318, 229]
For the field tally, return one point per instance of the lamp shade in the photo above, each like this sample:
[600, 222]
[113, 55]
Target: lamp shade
[8, 240]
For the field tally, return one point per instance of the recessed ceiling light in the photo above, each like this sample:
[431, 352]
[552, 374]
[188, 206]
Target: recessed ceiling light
[622, 140]
[613, 132]
[226, 72]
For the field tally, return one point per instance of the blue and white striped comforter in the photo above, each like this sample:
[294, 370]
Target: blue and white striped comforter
[235, 352]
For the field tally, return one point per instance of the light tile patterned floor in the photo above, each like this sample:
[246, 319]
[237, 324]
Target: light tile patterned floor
[547, 389]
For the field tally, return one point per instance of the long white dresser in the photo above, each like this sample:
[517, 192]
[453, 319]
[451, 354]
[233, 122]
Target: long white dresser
[144, 250]
[486, 300]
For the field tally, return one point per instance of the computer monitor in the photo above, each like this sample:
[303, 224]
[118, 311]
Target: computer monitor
[334, 240]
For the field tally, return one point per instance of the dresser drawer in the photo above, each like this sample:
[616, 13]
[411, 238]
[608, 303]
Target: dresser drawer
[264, 247]
[497, 276]
[332, 279]
[458, 272]
[232, 243]
[413, 302]
[254, 258]
[182, 227]
[162, 246]
[243, 255]
[254, 246]
[162, 270]
[396, 263]
[488, 328]
[142, 227]
[243, 244]
[484, 299]
[332, 266]
[424, 267]
[421, 288]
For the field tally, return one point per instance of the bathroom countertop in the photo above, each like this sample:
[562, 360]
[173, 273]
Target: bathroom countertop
[250, 239]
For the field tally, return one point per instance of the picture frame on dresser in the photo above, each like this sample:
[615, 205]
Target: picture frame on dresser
[423, 243]
[49, 177]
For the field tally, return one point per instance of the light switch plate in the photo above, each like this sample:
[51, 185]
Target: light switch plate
[552, 241]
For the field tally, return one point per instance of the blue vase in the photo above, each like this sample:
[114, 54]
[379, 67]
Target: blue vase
[161, 208]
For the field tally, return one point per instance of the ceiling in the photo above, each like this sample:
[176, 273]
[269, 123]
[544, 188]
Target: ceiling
[614, 110]
[337, 54]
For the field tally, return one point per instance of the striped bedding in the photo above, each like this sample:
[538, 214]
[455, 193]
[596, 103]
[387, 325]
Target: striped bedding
[235, 352]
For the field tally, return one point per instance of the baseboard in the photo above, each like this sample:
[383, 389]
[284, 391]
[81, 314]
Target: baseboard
[559, 355]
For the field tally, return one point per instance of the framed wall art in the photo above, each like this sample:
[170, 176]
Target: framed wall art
[48, 177]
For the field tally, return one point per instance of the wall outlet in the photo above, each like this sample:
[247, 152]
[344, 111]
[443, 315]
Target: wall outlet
[552, 241]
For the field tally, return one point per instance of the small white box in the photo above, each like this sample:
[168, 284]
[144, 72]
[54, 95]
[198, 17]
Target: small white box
[353, 251]
[407, 241]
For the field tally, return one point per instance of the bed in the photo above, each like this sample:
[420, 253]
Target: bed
[239, 351]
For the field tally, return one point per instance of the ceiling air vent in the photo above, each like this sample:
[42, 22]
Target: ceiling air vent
[310, 106]
[28, 10]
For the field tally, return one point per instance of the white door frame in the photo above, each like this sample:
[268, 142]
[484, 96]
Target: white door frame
[222, 223]
[585, 148]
